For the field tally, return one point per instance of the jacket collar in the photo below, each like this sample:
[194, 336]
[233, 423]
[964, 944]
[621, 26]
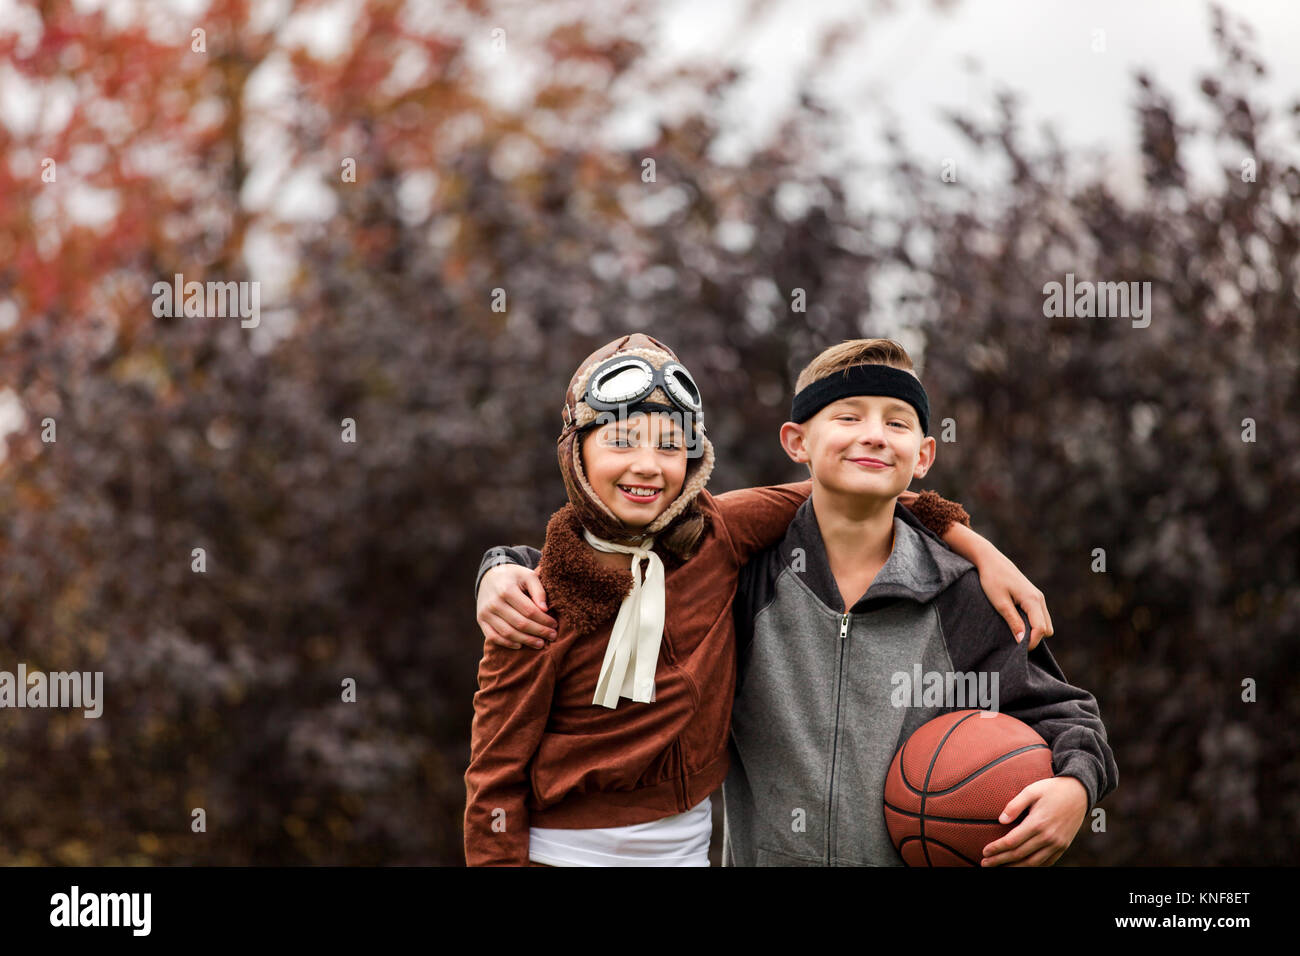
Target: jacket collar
[581, 592]
[919, 567]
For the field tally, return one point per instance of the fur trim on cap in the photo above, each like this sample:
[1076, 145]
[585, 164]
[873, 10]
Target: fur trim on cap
[697, 476]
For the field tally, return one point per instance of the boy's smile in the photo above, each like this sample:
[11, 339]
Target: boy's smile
[870, 463]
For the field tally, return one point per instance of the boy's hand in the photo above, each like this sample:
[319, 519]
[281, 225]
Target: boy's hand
[512, 607]
[1056, 807]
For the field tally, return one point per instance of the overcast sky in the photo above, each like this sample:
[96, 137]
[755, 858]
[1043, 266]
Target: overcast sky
[916, 63]
[911, 63]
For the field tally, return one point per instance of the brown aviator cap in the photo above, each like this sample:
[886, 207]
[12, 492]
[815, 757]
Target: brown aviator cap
[678, 529]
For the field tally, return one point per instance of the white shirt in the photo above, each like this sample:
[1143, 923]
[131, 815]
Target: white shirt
[678, 840]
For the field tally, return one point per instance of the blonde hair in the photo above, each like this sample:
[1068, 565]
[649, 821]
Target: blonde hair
[853, 352]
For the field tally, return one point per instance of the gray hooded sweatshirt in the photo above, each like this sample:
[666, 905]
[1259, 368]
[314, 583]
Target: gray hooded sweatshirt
[825, 697]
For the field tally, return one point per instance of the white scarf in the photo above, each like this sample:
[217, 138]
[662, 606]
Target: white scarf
[633, 649]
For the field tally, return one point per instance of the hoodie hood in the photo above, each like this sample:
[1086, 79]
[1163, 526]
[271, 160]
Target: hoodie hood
[919, 567]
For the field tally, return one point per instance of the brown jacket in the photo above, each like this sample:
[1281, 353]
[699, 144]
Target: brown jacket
[542, 754]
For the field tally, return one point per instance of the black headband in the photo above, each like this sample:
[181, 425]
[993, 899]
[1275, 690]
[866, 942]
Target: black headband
[862, 380]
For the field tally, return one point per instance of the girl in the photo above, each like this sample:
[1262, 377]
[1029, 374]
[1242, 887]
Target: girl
[603, 747]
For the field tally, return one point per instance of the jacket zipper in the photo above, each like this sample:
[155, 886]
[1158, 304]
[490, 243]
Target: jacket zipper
[835, 739]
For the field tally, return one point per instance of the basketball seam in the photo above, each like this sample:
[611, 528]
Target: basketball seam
[962, 783]
[913, 813]
[957, 853]
[929, 770]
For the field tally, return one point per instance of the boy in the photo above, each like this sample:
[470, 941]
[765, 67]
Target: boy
[836, 619]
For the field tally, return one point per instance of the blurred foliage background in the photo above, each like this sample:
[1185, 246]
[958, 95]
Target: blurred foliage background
[328, 560]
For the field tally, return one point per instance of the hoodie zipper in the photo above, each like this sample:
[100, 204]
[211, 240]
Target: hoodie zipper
[835, 739]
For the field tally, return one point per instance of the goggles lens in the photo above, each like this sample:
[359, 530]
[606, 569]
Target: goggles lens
[623, 382]
[681, 387]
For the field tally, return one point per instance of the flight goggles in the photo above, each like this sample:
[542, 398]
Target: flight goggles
[625, 380]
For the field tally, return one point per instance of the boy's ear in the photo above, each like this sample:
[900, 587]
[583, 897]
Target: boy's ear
[925, 457]
[793, 441]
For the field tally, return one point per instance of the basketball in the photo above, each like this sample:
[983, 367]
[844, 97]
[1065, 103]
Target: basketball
[951, 780]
